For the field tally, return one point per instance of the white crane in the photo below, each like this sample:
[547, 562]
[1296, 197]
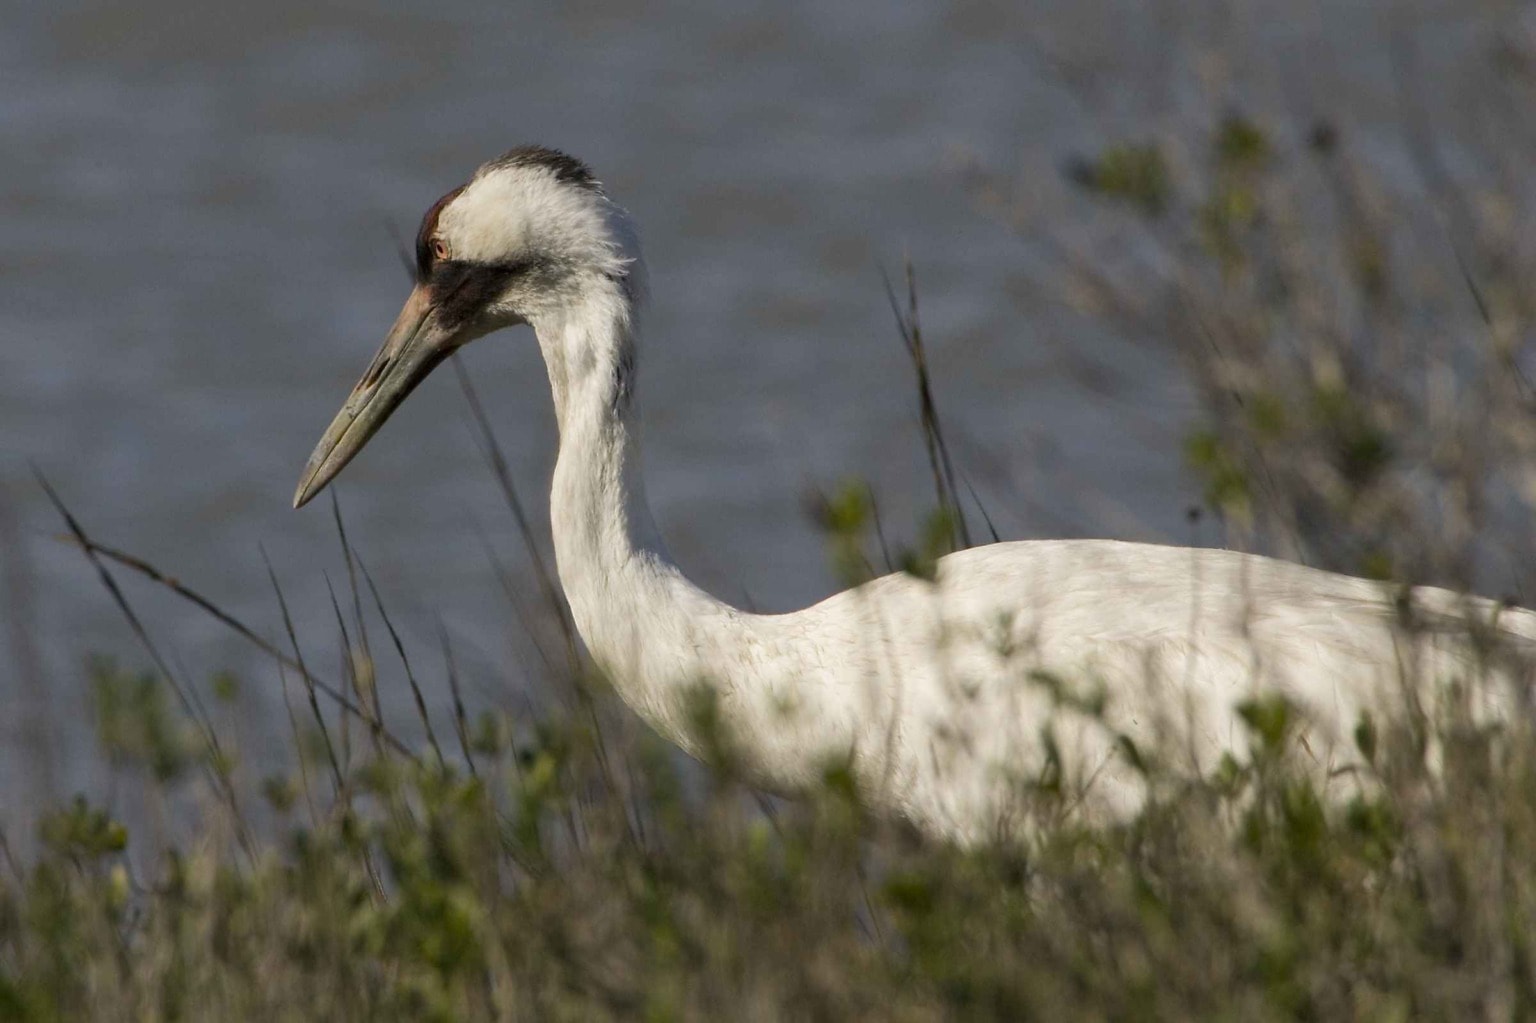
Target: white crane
[942, 697]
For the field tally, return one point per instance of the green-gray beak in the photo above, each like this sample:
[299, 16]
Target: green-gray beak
[414, 347]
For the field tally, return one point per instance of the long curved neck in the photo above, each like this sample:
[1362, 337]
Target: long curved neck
[651, 630]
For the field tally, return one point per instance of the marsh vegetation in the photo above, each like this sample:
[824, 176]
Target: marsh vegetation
[1363, 408]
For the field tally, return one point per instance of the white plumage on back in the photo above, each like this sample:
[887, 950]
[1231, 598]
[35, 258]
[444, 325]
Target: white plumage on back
[946, 698]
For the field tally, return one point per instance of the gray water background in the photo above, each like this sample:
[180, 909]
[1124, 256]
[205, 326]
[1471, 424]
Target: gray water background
[196, 261]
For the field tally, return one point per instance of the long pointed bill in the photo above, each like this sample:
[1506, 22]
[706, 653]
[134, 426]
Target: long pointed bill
[416, 344]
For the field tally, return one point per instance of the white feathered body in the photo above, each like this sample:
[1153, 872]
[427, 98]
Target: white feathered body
[951, 699]
[947, 698]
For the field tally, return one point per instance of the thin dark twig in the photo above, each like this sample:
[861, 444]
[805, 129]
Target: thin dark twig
[976, 500]
[906, 339]
[134, 622]
[869, 908]
[309, 682]
[460, 723]
[1483, 312]
[402, 250]
[939, 462]
[198, 705]
[298, 745]
[766, 807]
[1449, 201]
[1473, 287]
[366, 649]
[152, 573]
[930, 407]
[217, 763]
[519, 609]
[874, 514]
[348, 670]
[349, 556]
[492, 451]
[421, 703]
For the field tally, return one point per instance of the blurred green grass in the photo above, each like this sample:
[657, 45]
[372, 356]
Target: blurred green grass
[538, 887]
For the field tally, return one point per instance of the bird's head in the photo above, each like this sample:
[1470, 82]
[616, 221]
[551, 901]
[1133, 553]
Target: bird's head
[527, 235]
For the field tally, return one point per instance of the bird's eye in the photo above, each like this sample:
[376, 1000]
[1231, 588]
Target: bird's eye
[439, 249]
